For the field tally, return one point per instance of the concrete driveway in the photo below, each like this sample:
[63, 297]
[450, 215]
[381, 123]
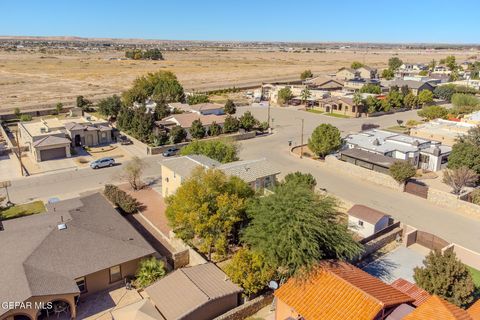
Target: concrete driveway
[397, 264]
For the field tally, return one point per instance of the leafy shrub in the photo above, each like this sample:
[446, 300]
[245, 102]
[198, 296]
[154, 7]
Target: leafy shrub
[401, 171]
[25, 117]
[120, 198]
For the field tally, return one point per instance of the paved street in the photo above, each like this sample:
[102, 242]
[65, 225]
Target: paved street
[405, 207]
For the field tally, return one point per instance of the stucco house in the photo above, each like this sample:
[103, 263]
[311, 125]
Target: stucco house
[415, 86]
[340, 105]
[347, 73]
[185, 120]
[445, 131]
[78, 247]
[201, 292]
[366, 221]
[324, 83]
[257, 173]
[367, 72]
[423, 153]
[49, 139]
[201, 108]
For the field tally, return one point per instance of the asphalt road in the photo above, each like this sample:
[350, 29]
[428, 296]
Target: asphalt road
[287, 126]
[407, 208]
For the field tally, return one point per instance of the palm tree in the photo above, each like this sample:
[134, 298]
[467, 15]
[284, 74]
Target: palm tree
[357, 100]
[150, 270]
[305, 95]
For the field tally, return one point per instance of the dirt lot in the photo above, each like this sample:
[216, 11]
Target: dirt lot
[35, 79]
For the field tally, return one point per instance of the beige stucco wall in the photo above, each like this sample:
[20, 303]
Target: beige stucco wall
[213, 308]
[170, 181]
[283, 311]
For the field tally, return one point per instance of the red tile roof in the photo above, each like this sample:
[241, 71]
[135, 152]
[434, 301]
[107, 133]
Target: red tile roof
[412, 290]
[437, 308]
[339, 291]
[474, 310]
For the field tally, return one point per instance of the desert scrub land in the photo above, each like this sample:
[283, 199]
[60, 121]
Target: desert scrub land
[34, 79]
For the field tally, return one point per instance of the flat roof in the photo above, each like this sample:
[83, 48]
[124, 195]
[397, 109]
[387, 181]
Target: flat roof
[370, 157]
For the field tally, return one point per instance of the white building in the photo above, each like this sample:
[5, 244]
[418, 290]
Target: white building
[366, 221]
[423, 153]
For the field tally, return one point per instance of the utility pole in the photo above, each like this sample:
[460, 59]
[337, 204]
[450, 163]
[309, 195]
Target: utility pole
[301, 143]
[268, 114]
[19, 152]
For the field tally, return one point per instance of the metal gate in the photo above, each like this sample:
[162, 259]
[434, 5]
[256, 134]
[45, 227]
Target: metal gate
[430, 241]
[417, 188]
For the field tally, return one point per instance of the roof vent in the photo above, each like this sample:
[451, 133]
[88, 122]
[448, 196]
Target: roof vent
[437, 151]
[62, 226]
[415, 143]
[376, 142]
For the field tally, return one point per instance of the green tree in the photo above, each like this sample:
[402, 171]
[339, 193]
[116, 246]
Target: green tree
[371, 88]
[25, 118]
[464, 154]
[17, 112]
[214, 129]
[222, 150]
[162, 86]
[298, 178]
[231, 124]
[356, 65]
[357, 99]
[388, 74]
[248, 121]
[445, 91]
[324, 140]
[206, 208]
[149, 271]
[425, 97]
[294, 229]
[284, 95]
[59, 108]
[444, 275]
[161, 111]
[423, 73]
[197, 98]
[395, 99]
[472, 136]
[394, 63]
[433, 112]
[110, 106]
[373, 104]
[83, 103]
[401, 171]
[451, 63]
[410, 101]
[197, 130]
[462, 99]
[249, 270]
[177, 134]
[305, 95]
[306, 74]
[230, 107]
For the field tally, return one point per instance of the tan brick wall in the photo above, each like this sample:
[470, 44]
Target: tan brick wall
[450, 201]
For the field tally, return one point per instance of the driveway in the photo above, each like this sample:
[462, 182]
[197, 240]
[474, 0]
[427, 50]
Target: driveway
[397, 264]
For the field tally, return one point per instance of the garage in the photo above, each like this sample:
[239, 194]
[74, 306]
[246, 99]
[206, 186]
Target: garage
[54, 153]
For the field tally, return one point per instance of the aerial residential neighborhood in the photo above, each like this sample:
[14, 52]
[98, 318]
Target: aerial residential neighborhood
[256, 161]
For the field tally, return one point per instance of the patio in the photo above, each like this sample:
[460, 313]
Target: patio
[398, 263]
[99, 305]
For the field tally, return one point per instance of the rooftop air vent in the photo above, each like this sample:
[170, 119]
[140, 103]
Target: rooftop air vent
[376, 142]
[416, 143]
[62, 226]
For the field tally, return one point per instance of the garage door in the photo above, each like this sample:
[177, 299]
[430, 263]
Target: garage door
[54, 153]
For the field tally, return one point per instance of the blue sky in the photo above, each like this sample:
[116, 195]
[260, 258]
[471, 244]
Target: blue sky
[429, 21]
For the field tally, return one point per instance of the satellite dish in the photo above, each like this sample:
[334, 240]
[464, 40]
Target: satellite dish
[273, 285]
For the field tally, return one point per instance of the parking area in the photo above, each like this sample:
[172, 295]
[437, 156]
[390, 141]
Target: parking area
[398, 263]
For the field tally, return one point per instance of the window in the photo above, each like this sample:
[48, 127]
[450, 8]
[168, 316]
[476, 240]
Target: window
[360, 223]
[115, 274]
[81, 284]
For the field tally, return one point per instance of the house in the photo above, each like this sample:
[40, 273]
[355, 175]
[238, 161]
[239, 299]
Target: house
[412, 67]
[414, 86]
[438, 308]
[347, 73]
[368, 160]
[367, 72]
[149, 104]
[185, 120]
[201, 108]
[324, 83]
[423, 153]
[337, 290]
[257, 173]
[442, 69]
[201, 292]
[357, 83]
[49, 139]
[78, 247]
[366, 221]
[411, 290]
[340, 105]
[445, 131]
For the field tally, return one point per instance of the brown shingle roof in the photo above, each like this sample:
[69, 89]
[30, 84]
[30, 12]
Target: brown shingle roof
[411, 290]
[365, 213]
[185, 119]
[51, 141]
[437, 308]
[339, 291]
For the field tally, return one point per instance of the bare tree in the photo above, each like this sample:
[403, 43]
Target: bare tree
[459, 178]
[133, 171]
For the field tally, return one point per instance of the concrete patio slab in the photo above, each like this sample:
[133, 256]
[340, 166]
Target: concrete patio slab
[397, 264]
